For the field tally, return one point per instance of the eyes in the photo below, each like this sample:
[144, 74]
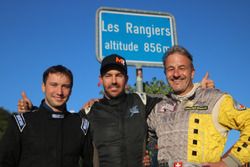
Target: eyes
[55, 84]
[179, 68]
[118, 75]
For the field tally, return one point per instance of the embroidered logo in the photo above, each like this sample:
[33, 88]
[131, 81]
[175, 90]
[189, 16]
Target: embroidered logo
[177, 164]
[239, 106]
[121, 61]
[134, 110]
[85, 126]
[57, 116]
[169, 107]
[20, 121]
[197, 108]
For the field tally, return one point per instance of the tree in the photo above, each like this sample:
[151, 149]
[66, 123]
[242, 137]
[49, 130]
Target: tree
[152, 87]
[4, 116]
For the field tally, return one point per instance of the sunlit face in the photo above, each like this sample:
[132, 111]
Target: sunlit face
[57, 90]
[179, 73]
[114, 83]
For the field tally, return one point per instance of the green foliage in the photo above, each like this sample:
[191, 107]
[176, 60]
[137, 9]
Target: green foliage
[156, 87]
[152, 87]
[4, 116]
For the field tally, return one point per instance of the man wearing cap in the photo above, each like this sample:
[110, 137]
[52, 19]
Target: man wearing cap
[118, 121]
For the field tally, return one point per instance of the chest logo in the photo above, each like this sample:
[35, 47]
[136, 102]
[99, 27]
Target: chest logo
[196, 108]
[85, 125]
[134, 110]
[167, 107]
[178, 164]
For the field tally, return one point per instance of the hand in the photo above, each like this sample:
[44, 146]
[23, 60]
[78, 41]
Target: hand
[24, 104]
[206, 82]
[215, 164]
[146, 160]
[89, 103]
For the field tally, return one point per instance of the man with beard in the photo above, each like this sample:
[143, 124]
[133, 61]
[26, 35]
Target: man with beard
[118, 120]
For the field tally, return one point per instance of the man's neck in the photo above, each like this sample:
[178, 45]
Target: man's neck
[188, 94]
[56, 109]
[116, 97]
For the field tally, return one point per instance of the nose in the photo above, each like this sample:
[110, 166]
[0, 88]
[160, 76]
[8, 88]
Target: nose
[114, 80]
[59, 90]
[176, 73]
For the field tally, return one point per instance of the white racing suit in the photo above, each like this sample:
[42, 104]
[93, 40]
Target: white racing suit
[192, 130]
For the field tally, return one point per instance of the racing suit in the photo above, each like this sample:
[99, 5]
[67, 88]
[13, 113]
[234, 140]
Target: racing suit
[192, 129]
[118, 128]
[45, 138]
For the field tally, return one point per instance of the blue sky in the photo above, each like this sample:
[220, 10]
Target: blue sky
[37, 34]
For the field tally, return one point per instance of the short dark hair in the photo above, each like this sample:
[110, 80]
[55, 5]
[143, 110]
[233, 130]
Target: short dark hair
[58, 69]
[177, 49]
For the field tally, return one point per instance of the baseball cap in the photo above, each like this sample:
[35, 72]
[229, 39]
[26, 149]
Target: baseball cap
[113, 61]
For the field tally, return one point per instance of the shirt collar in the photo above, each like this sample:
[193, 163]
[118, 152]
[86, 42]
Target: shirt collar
[187, 96]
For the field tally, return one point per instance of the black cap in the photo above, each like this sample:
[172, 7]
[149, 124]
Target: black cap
[113, 61]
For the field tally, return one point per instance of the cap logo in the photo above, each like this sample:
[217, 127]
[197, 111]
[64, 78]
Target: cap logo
[117, 60]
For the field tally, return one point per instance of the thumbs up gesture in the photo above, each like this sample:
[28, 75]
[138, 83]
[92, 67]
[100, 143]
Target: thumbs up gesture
[24, 104]
[206, 82]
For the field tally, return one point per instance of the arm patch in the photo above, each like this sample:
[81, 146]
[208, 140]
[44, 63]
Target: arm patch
[85, 125]
[239, 106]
[20, 121]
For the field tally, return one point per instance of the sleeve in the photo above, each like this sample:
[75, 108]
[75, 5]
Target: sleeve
[149, 101]
[85, 111]
[82, 113]
[152, 122]
[10, 145]
[87, 150]
[233, 115]
[151, 145]
[33, 108]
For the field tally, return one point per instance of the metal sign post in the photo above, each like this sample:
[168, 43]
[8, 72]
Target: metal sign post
[139, 79]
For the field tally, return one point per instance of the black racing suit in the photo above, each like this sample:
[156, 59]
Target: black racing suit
[118, 128]
[45, 138]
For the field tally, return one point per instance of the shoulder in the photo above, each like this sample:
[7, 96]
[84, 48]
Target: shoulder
[24, 119]
[141, 95]
[227, 100]
[20, 120]
[74, 117]
[80, 121]
[209, 90]
[209, 93]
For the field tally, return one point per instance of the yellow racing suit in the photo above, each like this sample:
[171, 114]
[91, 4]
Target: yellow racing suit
[193, 129]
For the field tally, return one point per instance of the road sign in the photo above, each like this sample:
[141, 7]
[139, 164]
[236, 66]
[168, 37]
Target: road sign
[141, 37]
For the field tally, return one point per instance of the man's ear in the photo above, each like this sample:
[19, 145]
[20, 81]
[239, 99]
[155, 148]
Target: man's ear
[193, 72]
[126, 79]
[100, 81]
[43, 87]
